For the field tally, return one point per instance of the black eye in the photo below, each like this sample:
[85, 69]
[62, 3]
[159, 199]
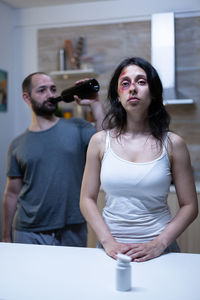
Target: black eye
[124, 83]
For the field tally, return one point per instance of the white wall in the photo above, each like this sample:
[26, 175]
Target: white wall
[17, 116]
[103, 11]
[6, 118]
[18, 52]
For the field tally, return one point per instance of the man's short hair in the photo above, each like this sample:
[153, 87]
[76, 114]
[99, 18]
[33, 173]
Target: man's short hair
[27, 83]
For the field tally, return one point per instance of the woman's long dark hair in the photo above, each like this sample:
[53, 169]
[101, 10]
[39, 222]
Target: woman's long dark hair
[158, 117]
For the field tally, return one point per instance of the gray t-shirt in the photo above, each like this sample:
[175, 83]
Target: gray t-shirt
[51, 165]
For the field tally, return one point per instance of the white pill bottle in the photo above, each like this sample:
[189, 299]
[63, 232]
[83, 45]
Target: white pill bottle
[123, 273]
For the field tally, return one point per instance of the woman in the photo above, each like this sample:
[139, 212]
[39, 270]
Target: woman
[134, 161]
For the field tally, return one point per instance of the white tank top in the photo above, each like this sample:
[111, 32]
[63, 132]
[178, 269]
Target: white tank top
[136, 207]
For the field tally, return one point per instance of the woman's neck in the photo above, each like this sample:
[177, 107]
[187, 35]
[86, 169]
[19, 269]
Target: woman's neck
[134, 126]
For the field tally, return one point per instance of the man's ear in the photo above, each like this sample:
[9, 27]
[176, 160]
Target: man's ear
[26, 97]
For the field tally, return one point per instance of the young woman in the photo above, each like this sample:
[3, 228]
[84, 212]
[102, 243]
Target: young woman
[134, 160]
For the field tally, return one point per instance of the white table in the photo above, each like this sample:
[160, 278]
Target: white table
[32, 272]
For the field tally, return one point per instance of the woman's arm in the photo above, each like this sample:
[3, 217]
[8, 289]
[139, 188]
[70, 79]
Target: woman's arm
[89, 194]
[187, 198]
[185, 189]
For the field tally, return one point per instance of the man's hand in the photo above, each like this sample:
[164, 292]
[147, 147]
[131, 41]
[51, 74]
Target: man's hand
[94, 97]
[95, 105]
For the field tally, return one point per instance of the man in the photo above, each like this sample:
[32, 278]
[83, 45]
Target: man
[44, 171]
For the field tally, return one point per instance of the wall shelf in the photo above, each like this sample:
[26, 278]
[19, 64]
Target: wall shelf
[178, 101]
[73, 73]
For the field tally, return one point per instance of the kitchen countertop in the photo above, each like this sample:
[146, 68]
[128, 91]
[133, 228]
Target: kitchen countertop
[36, 272]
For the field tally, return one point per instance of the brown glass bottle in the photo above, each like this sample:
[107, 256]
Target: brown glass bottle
[84, 90]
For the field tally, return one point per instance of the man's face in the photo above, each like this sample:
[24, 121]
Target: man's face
[43, 88]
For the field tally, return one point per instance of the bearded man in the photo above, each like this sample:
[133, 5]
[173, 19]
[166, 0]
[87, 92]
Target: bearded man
[45, 165]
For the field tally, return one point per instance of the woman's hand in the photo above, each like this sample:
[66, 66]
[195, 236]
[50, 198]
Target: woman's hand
[140, 252]
[113, 247]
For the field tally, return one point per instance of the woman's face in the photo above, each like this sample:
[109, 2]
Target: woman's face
[133, 88]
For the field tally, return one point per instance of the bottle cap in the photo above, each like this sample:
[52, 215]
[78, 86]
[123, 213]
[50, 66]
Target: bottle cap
[123, 258]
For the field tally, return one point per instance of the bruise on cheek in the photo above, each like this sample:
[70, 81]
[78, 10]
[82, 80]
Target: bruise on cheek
[121, 77]
[120, 89]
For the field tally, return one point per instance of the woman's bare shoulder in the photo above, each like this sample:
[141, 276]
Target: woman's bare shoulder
[177, 145]
[99, 137]
[176, 140]
[97, 143]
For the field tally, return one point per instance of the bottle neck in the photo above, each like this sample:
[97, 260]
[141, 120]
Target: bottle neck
[56, 100]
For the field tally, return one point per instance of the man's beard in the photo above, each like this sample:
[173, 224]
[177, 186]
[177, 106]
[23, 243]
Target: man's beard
[43, 109]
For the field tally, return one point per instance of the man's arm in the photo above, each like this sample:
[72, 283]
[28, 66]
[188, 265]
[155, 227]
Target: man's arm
[96, 108]
[13, 187]
[98, 114]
